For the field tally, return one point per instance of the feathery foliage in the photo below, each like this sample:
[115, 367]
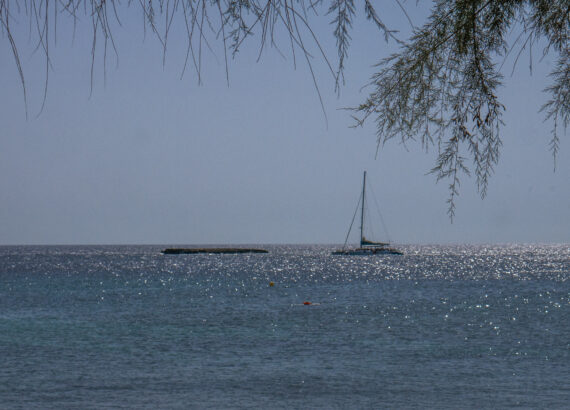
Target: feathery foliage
[440, 88]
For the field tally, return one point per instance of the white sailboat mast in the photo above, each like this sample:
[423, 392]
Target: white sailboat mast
[362, 209]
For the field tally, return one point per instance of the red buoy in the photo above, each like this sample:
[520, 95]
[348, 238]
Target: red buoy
[306, 303]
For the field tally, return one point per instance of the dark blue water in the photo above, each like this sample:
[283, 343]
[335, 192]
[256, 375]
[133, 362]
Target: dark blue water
[440, 327]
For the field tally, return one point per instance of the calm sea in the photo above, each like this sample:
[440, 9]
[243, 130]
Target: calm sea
[440, 327]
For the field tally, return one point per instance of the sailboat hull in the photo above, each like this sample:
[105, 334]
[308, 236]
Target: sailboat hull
[368, 251]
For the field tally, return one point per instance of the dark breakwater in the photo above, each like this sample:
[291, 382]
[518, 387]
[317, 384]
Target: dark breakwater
[178, 251]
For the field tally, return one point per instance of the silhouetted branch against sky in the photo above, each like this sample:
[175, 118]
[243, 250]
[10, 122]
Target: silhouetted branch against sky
[439, 89]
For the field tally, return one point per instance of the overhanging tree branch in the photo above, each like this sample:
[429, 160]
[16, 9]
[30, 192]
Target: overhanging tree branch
[439, 89]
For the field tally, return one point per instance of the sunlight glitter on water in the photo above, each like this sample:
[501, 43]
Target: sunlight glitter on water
[488, 323]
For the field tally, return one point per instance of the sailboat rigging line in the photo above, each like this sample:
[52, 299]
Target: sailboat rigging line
[380, 214]
[370, 228]
[362, 210]
[352, 222]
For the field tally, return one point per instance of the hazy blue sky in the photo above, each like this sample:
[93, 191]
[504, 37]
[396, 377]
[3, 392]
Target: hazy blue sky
[148, 157]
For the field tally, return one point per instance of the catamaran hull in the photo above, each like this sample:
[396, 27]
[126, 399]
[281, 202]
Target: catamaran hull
[363, 251]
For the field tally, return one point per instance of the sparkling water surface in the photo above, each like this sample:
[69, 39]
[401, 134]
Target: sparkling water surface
[439, 327]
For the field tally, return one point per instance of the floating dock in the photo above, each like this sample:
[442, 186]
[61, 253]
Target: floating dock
[178, 251]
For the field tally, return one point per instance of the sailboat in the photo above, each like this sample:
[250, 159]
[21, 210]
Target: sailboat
[367, 247]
